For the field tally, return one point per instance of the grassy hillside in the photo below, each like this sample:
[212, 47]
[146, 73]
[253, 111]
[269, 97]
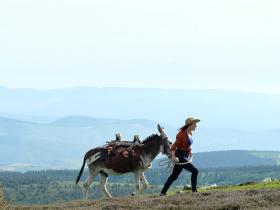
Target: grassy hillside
[236, 158]
[233, 158]
[257, 196]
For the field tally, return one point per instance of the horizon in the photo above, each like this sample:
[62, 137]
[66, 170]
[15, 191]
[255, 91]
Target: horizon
[143, 88]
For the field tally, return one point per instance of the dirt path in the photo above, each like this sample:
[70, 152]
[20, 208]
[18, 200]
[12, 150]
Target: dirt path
[211, 200]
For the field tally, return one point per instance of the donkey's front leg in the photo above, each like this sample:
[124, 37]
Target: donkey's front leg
[144, 182]
[136, 182]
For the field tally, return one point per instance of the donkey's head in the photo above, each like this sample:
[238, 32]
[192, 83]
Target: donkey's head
[165, 143]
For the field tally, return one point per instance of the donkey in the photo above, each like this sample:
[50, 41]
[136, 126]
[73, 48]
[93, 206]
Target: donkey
[99, 162]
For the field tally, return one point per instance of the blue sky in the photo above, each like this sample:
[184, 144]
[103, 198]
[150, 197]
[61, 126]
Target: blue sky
[225, 45]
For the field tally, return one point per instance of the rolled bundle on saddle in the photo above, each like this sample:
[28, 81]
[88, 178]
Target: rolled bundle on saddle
[121, 143]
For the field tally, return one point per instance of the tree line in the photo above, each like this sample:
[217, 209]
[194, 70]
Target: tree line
[43, 187]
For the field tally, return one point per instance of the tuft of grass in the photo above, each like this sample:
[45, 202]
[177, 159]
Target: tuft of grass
[3, 203]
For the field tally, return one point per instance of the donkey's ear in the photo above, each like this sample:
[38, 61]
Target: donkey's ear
[159, 128]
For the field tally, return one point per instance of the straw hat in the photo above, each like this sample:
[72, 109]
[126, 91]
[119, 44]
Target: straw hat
[189, 121]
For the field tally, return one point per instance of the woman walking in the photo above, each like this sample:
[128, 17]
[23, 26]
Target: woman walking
[180, 151]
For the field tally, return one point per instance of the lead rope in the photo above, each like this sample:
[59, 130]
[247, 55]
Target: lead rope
[170, 164]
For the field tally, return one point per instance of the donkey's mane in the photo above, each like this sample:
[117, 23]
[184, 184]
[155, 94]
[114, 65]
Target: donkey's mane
[150, 138]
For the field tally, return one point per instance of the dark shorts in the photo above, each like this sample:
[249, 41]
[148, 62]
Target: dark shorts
[182, 155]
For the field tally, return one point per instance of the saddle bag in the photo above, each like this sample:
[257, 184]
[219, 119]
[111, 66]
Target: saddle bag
[123, 159]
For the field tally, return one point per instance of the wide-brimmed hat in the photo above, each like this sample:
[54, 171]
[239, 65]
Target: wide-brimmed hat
[189, 121]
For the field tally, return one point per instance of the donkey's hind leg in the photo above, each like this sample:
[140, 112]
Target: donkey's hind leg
[137, 183]
[88, 182]
[103, 182]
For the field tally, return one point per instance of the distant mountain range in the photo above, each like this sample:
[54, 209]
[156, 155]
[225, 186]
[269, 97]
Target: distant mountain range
[216, 109]
[63, 142]
[54, 128]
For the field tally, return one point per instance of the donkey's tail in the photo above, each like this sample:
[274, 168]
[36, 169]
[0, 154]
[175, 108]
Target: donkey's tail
[81, 171]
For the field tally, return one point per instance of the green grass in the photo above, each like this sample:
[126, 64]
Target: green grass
[268, 185]
[247, 186]
[257, 196]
